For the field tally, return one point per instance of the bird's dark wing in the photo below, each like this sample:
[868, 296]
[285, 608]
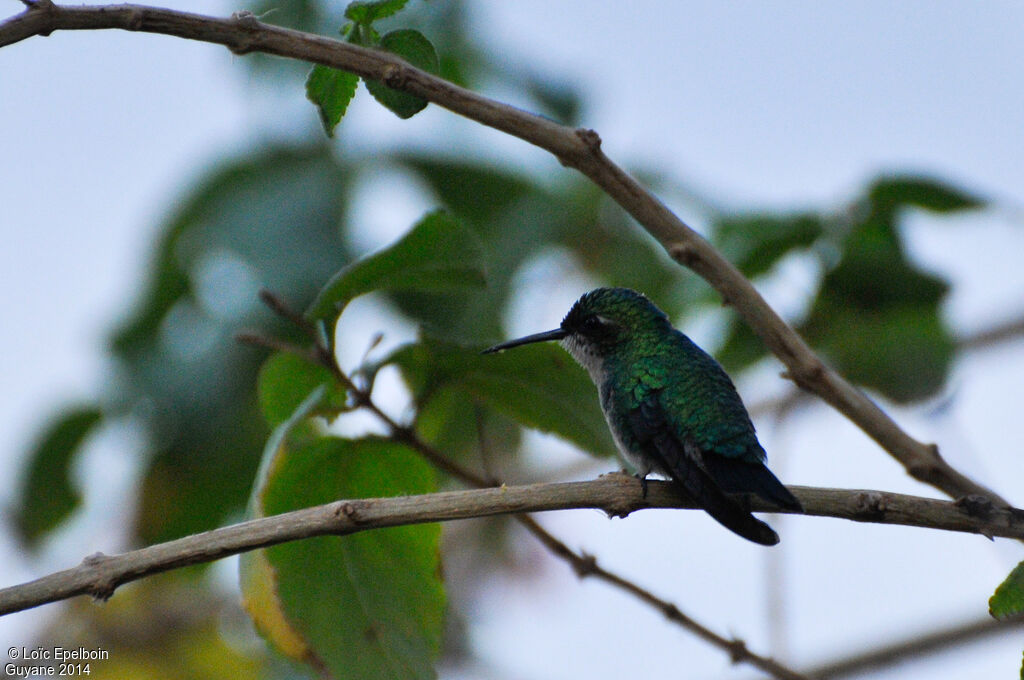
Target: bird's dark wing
[686, 464]
[708, 413]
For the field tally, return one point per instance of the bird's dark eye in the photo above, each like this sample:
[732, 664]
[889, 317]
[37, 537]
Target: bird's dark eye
[593, 324]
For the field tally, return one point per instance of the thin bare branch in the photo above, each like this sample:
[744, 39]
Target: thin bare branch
[617, 494]
[997, 334]
[903, 651]
[280, 306]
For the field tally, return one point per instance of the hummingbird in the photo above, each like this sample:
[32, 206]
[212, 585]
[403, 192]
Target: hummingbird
[671, 408]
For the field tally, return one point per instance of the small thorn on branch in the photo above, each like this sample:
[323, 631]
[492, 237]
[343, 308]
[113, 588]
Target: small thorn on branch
[584, 565]
[250, 22]
[683, 253]
[393, 75]
[976, 505]
[738, 651]
[103, 587]
[347, 509]
[871, 504]
[590, 138]
[672, 612]
[245, 18]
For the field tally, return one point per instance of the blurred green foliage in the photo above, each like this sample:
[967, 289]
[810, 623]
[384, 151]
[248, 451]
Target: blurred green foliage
[285, 380]
[48, 475]
[542, 389]
[1008, 599]
[273, 219]
[437, 254]
[368, 605]
[876, 315]
[279, 218]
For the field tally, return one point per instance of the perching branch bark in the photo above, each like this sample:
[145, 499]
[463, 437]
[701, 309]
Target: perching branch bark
[576, 148]
[617, 494]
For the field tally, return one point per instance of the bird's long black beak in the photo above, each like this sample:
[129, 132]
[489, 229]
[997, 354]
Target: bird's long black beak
[556, 334]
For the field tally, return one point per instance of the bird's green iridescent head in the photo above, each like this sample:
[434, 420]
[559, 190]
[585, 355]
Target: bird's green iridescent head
[610, 315]
[601, 321]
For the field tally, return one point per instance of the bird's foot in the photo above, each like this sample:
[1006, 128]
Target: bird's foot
[643, 485]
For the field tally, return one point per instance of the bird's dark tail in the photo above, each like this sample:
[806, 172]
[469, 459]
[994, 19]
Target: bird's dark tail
[699, 486]
[744, 524]
[729, 513]
[739, 476]
[686, 464]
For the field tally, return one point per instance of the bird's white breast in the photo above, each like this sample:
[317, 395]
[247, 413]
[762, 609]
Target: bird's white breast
[586, 357]
[594, 365]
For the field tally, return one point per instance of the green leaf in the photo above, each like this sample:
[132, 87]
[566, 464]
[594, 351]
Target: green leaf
[285, 380]
[903, 352]
[363, 35]
[559, 101]
[369, 605]
[741, 348]
[877, 315]
[412, 46]
[1008, 599]
[370, 11]
[277, 212]
[539, 386]
[268, 219]
[437, 254]
[874, 272]
[887, 194]
[47, 495]
[473, 191]
[257, 577]
[457, 422]
[754, 243]
[331, 90]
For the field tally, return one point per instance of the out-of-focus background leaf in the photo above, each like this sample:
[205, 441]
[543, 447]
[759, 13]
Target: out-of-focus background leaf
[367, 605]
[876, 314]
[540, 387]
[438, 254]
[1008, 600]
[47, 473]
[273, 220]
